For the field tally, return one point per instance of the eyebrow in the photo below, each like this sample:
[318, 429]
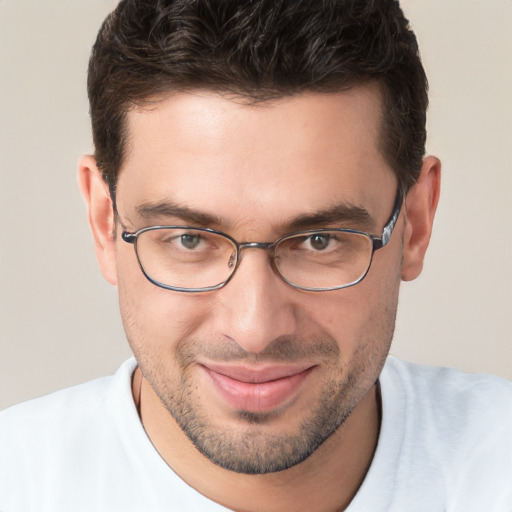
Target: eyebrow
[346, 213]
[149, 211]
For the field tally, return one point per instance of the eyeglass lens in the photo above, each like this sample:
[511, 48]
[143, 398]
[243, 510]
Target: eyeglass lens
[195, 259]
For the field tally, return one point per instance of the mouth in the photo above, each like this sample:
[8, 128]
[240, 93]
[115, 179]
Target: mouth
[256, 389]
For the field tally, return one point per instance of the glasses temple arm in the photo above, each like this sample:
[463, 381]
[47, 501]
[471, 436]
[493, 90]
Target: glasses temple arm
[381, 241]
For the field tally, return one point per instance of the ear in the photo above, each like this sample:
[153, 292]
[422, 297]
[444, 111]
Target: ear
[100, 214]
[420, 206]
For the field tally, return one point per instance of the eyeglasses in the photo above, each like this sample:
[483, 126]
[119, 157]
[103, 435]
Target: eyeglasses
[190, 259]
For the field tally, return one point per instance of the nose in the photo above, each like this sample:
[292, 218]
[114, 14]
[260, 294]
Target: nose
[256, 306]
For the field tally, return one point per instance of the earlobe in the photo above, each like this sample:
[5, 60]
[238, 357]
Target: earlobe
[420, 204]
[100, 215]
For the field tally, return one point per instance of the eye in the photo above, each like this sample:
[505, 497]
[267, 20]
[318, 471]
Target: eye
[190, 241]
[319, 241]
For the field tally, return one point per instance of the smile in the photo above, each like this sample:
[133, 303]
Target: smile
[256, 390]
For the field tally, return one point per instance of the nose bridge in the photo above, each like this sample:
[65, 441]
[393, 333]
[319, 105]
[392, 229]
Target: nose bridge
[266, 246]
[256, 305]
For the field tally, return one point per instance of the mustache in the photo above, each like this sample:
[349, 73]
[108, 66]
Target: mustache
[287, 349]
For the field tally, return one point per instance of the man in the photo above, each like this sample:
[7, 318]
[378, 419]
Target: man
[258, 191]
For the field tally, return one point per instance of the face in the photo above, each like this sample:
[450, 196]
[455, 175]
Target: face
[258, 374]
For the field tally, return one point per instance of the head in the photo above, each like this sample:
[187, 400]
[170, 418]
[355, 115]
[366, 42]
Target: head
[258, 119]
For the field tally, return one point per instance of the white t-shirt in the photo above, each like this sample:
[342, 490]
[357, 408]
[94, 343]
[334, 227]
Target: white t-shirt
[445, 445]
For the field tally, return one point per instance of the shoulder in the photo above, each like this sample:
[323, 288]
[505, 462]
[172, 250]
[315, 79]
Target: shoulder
[59, 438]
[65, 402]
[450, 429]
[65, 405]
[39, 429]
[447, 404]
[441, 389]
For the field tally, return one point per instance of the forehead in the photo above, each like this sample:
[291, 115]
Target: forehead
[258, 162]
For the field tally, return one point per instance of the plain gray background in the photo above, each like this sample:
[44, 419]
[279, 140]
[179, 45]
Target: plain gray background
[59, 322]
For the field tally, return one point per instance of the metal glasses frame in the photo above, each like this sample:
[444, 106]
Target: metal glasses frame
[378, 242]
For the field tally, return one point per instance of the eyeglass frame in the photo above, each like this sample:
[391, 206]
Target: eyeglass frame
[377, 242]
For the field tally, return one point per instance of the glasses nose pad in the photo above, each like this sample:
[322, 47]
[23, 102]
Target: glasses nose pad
[232, 259]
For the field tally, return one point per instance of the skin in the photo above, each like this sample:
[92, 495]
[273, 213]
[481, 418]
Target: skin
[255, 168]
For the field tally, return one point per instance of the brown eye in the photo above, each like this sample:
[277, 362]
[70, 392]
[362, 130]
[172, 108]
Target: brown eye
[319, 241]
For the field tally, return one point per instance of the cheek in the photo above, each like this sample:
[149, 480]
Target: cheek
[155, 320]
[362, 318]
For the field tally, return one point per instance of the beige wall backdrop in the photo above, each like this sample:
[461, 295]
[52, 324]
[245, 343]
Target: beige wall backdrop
[59, 322]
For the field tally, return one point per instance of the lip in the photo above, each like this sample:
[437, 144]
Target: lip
[257, 389]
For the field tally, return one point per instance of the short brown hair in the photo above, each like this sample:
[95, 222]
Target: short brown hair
[260, 50]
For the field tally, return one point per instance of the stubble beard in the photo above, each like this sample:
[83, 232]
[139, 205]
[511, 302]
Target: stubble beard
[253, 447]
